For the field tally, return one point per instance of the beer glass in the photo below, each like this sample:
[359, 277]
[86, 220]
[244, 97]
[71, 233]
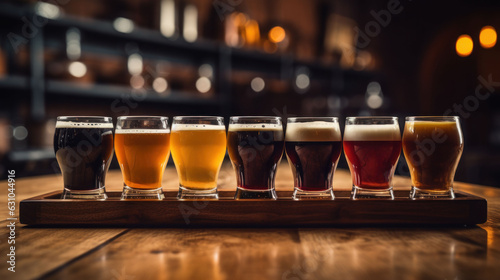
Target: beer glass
[372, 146]
[142, 149]
[198, 149]
[255, 146]
[83, 148]
[313, 147]
[432, 147]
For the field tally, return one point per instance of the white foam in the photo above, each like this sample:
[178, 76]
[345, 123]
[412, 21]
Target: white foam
[372, 132]
[141, 131]
[318, 131]
[179, 127]
[255, 127]
[68, 124]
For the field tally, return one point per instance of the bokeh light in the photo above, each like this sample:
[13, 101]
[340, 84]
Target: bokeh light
[464, 45]
[488, 37]
[277, 34]
[257, 84]
[203, 84]
[77, 69]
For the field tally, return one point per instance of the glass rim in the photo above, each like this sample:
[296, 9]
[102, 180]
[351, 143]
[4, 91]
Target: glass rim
[373, 117]
[432, 118]
[254, 118]
[84, 118]
[293, 119]
[142, 117]
[178, 118]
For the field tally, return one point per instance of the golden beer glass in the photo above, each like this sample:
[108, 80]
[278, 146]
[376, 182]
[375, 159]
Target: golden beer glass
[198, 149]
[142, 145]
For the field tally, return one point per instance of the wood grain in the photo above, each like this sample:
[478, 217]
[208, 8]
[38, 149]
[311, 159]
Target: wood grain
[191, 254]
[249, 253]
[44, 249]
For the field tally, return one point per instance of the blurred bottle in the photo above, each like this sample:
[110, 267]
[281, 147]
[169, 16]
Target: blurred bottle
[68, 65]
[168, 18]
[159, 78]
[190, 22]
[234, 29]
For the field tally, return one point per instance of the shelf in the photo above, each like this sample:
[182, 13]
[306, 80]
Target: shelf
[14, 82]
[110, 92]
[8, 10]
[138, 35]
[32, 155]
[252, 59]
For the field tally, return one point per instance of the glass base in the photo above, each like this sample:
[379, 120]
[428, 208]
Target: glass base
[417, 193]
[247, 194]
[97, 194]
[131, 193]
[299, 194]
[197, 194]
[360, 193]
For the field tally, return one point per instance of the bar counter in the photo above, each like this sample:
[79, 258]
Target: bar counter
[250, 253]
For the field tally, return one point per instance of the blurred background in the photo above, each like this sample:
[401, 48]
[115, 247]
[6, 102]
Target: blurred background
[248, 57]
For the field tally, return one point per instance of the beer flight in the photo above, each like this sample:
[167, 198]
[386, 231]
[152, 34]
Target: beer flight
[372, 145]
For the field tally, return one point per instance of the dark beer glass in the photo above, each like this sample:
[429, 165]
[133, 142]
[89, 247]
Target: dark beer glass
[432, 147]
[313, 147]
[255, 146]
[372, 146]
[83, 148]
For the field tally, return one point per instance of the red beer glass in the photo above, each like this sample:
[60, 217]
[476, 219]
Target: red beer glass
[372, 146]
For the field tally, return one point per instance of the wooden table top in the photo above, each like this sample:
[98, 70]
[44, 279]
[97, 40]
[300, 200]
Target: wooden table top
[250, 253]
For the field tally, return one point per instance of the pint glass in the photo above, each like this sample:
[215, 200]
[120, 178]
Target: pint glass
[372, 146]
[83, 148]
[198, 149]
[432, 147]
[142, 149]
[255, 146]
[313, 147]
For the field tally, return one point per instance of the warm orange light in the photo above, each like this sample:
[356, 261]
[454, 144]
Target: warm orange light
[464, 45]
[277, 34]
[488, 37]
[240, 19]
[252, 33]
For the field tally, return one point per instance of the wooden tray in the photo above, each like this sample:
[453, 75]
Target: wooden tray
[49, 209]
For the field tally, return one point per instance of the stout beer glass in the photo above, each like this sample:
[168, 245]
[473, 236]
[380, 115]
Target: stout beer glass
[432, 148]
[255, 146]
[142, 149]
[83, 148]
[313, 147]
[198, 149]
[372, 146]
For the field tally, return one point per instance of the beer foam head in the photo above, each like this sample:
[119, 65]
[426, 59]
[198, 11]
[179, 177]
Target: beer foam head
[372, 132]
[276, 129]
[254, 127]
[313, 132]
[141, 131]
[70, 124]
[180, 127]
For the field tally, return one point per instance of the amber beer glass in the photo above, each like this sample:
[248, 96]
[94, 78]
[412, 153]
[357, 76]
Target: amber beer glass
[432, 147]
[84, 148]
[142, 149]
[198, 149]
[313, 147]
[372, 146]
[255, 146]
